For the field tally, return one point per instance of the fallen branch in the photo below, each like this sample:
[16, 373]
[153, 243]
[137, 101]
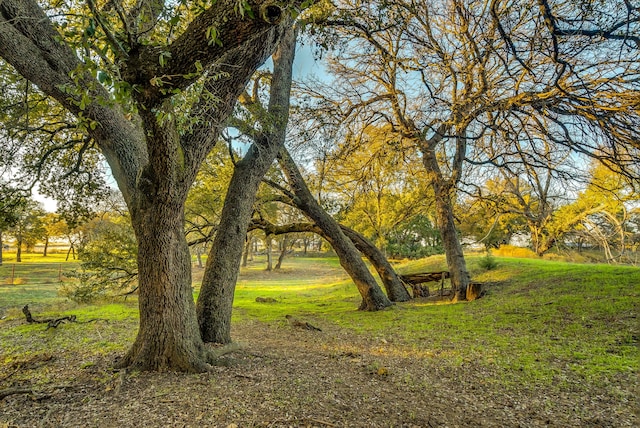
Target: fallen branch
[17, 390]
[14, 391]
[54, 322]
[301, 324]
[321, 422]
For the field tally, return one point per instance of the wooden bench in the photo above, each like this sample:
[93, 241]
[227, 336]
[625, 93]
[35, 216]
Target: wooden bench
[415, 281]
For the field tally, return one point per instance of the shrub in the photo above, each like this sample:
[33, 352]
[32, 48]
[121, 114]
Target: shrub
[108, 263]
[488, 262]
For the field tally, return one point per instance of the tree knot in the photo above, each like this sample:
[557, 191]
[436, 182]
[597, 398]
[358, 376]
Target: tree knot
[271, 13]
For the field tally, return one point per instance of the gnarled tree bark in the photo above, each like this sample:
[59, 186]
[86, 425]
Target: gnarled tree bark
[215, 301]
[396, 291]
[373, 298]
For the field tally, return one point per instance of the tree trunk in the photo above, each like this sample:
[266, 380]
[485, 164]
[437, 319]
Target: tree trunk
[169, 337]
[269, 244]
[247, 249]
[46, 247]
[443, 190]
[392, 282]
[199, 256]
[1, 247]
[19, 249]
[215, 301]
[372, 296]
[394, 287]
[453, 250]
[283, 252]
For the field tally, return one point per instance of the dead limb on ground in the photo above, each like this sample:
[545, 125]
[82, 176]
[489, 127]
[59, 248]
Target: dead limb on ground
[301, 324]
[54, 322]
[40, 394]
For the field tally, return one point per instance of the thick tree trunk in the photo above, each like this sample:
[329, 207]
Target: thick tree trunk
[393, 284]
[443, 189]
[453, 250]
[221, 270]
[46, 247]
[215, 301]
[169, 337]
[372, 296]
[394, 287]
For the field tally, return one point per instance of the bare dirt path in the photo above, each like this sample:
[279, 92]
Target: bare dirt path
[288, 377]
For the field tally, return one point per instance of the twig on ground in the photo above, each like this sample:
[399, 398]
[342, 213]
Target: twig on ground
[12, 373]
[14, 391]
[121, 379]
[321, 422]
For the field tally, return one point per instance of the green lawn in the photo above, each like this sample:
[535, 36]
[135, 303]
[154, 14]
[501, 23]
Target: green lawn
[540, 322]
[33, 281]
[538, 319]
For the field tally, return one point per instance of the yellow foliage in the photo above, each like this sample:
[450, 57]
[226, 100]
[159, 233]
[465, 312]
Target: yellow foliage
[513, 251]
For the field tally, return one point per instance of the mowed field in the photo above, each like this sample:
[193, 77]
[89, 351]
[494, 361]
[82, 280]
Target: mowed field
[550, 344]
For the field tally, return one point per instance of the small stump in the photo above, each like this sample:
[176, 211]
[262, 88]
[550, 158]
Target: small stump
[474, 291]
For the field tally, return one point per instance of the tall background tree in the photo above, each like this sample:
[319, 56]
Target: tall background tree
[29, 227]
[12, 203]
[452, 78]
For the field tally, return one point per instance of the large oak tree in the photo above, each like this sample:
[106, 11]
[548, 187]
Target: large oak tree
[152, 83]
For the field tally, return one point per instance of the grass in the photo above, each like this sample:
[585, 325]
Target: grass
[539, 320]
[541, 323]
[34, 281]
[9, 257]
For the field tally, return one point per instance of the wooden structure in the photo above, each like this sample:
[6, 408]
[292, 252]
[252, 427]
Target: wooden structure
[416, 281]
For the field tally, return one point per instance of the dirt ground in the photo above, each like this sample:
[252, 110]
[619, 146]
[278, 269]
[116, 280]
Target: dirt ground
[288, 377]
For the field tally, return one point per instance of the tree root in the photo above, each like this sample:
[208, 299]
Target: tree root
[214, 354]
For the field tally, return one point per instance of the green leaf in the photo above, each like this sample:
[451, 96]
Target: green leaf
[91, 28]
[104, 78]
[162, 59]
